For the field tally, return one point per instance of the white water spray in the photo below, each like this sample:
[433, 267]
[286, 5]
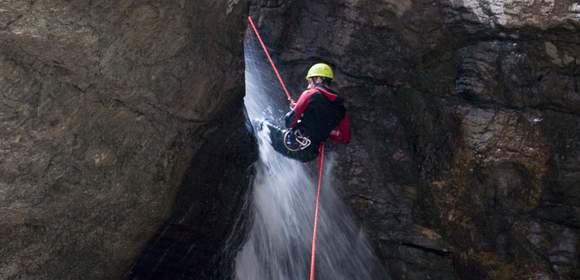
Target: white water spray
[279, 242]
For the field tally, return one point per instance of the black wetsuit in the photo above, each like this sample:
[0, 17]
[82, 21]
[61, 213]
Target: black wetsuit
[318, 114]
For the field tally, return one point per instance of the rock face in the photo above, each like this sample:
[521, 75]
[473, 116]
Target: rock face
[114, 115]
[465, 160]
[204, 232]
[103, 107]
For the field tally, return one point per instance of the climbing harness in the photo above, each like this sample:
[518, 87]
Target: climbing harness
[304, 142]
[295, 141]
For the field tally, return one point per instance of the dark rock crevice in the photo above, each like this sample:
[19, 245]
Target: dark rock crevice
[204, 231]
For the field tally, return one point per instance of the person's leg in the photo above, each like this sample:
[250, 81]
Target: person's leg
[277, 140]
[308, 154]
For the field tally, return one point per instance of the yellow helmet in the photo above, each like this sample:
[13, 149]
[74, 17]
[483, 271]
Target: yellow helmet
[320, 70]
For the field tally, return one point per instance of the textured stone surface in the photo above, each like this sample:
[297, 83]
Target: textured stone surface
[204, 232]
[542, 14]
[103, 104]
[464, 158]
[464, 164]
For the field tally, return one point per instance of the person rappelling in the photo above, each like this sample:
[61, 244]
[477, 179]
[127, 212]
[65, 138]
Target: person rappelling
[318, 114]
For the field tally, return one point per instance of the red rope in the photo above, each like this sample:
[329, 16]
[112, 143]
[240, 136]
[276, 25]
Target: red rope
[321, 168]
[271, 61]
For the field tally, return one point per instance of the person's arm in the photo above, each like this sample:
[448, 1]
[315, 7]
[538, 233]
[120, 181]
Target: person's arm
[341, 134]
[293, 116]
[288, 118]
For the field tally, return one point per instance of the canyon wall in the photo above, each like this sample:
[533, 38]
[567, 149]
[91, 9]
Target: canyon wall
[465, 157]
[105, 107]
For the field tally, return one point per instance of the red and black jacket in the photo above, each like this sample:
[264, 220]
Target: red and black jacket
[320, 114]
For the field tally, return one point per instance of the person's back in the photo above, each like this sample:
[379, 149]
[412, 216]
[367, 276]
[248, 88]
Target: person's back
[324, 112]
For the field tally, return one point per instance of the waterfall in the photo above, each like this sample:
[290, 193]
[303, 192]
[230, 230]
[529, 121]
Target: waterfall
[279, 242]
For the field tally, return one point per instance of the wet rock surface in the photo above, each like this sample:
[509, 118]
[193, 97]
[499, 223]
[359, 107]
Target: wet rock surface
[464, 161]
[103, 107]
[204, 232]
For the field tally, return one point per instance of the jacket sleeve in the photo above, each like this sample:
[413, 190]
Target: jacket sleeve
[296, 113]
[341, 134]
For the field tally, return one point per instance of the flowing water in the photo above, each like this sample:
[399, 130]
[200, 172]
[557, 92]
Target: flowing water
[279, 242]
